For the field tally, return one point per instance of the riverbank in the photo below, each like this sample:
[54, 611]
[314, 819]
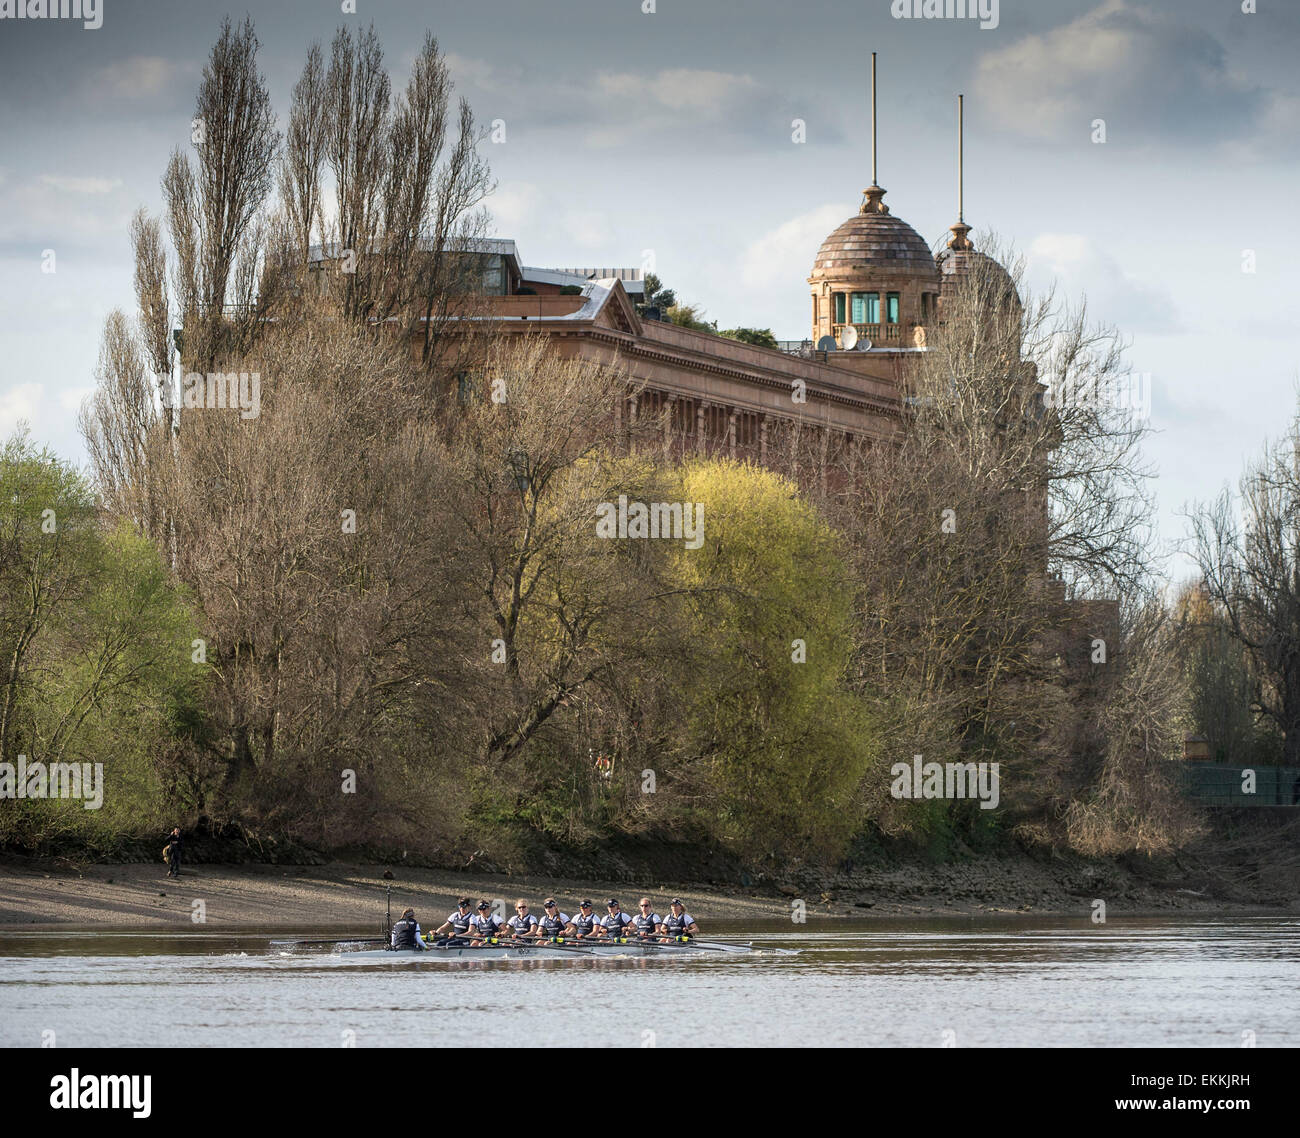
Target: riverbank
[343, 895]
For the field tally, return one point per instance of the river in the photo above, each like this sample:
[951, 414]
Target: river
[1036, 982]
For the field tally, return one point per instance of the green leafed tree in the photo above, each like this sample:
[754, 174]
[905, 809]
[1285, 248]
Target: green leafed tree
[97, 651]
[759, 337]
[774, 740]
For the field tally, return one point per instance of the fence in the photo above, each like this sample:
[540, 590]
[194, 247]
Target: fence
[1213, 784]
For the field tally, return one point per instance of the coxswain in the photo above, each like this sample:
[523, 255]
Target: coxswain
[646, 923]
[522, 924]
[679, 923]
[614, 924]
[553, 922]
[456, 926]
[406, 933]
[583, 922]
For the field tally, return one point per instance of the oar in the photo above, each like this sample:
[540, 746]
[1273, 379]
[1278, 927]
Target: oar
[517, 942]
[682, 945]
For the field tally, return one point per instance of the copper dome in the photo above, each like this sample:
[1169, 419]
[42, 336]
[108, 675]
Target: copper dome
[874, 238]
[956, 263]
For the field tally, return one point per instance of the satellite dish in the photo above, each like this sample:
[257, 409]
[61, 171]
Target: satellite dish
[849, 338]
[827, 344]
[864, 345]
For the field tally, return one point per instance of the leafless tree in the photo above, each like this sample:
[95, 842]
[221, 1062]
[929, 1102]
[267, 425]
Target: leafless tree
[533, 454]
[120, 425]
[212, 209]
[304, 153]
[1250, 565]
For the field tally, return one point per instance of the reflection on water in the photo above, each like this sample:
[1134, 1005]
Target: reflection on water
[1008, 982]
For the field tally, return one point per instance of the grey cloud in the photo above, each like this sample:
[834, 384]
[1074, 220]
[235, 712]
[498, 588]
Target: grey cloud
[1152, 76]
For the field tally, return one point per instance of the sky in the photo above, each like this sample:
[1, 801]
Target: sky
[721, 142]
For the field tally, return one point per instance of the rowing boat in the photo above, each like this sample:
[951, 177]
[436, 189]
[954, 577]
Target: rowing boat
[543, 951]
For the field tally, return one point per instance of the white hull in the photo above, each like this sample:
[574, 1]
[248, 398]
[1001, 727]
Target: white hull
[566, 951]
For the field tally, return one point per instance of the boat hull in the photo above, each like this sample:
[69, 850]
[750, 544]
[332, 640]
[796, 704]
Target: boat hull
[536, 952]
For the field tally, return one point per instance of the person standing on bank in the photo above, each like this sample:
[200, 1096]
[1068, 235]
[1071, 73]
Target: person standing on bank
[174, 852]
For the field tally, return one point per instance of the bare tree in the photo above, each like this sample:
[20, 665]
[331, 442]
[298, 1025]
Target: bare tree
[211, 211]
[120, 426]
[532, 453]
[1250, 565]
[155, 316]
[304, 153]
[359, 97]
[991, 536]
[1126, 798]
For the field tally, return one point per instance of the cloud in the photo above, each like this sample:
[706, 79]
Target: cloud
[710, 93]
[786, 253]
[81, 185]
[1081, 267]
[473, 72]
[513, 206]
[672, 101]
[1148, 74]
[17, 404]
[36, 213]
[589, 229]
[138, 77]
[71, 399]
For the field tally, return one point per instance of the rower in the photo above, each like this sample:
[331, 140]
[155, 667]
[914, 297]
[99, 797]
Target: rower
[522, 924]
[679, 923]
[614, 924]
[406, 933]
[646, 923]
[457, 924]
[583, 922]
[484, 926]
[553, 922]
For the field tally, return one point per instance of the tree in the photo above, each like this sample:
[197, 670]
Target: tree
[121, 427]
[1250, 565]
[656, 296]
[773, 744]
[95, 644]
[760, 337]
[1218, 677]
[690, 316]
[213, 208]
[1127, 800]
[408, 182]
[311, 537]
[991, 539]
[47, 558]
[554, 608]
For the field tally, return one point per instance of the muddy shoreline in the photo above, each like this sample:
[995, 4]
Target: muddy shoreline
[346, 895]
